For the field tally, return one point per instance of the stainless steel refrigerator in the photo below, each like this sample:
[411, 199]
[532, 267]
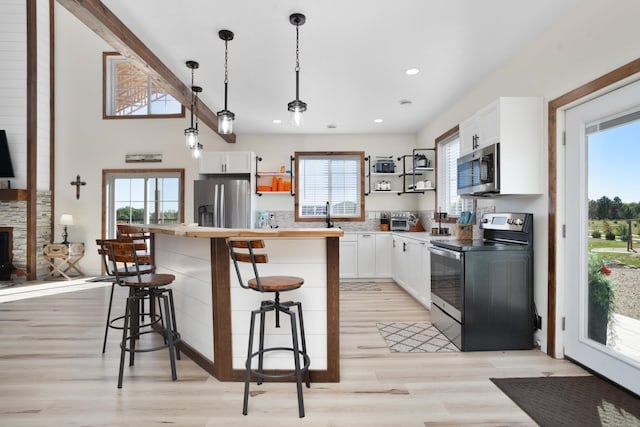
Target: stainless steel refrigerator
[223, 201]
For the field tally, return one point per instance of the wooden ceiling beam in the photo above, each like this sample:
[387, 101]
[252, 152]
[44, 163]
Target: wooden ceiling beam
[95, 15]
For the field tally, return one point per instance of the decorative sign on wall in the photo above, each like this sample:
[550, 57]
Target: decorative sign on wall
[143, 158]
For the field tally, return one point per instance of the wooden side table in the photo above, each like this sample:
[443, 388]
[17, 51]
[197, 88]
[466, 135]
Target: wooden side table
[63, 258]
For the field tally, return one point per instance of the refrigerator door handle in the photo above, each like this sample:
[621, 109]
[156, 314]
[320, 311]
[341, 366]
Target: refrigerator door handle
[216, 207]
[222, 208]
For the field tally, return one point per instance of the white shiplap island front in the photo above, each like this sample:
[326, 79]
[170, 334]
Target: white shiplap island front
[213, 311]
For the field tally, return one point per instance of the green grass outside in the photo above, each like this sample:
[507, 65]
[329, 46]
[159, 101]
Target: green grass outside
[624, 257]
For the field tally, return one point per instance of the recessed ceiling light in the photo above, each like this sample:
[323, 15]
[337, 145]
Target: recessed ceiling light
[411, 71]
[332, 126]
[277, 121]
[378, 121]
[405, 102]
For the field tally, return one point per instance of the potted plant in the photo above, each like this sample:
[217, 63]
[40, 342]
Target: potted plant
[600, 299]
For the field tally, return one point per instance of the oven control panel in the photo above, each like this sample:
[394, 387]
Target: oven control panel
[505, 221]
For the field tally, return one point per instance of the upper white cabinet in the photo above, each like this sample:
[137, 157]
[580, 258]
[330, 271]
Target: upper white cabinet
[481, 129]
[517, 124]
[226, 162]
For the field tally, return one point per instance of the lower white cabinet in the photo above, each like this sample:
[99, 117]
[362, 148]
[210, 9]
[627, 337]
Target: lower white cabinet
[383, 255]
[400, 261]
[349, 256]
[411, 268]
[365, 256]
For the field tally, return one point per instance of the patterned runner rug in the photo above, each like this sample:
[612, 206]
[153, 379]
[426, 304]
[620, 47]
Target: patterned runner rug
[415, 338]
[359, 286]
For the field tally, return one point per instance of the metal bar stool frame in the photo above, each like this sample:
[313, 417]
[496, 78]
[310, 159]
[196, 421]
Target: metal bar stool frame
[272, 284]
[126, 270]
[144, 286]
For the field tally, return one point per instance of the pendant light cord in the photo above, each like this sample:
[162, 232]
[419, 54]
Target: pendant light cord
[226, 73]
[297, 69]
[193, 95]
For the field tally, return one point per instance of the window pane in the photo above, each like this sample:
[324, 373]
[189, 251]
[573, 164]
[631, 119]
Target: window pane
[448, 199]
[334, 179]
[130, 92]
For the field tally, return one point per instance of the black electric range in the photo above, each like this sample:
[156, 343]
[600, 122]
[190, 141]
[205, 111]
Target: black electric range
[480, 286]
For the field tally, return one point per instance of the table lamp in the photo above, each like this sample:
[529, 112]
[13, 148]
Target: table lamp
[65, 219]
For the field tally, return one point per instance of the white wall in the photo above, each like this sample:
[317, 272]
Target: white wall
[13, 85]
[591, 40]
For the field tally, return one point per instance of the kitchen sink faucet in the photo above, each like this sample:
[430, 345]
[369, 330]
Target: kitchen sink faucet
[328, 217]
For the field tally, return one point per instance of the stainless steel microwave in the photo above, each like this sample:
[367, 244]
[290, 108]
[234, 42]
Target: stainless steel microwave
[479, 172]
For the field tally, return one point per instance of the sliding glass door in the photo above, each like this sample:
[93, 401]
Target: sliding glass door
[143, 197]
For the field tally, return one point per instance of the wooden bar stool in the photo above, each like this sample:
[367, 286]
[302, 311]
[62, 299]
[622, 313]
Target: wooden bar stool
[125, 269]
[243, 251]
[141, 286]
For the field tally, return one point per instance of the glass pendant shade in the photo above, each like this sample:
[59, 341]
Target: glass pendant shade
[225, 121]
[196, 151]
[191, 137]
[296, 108]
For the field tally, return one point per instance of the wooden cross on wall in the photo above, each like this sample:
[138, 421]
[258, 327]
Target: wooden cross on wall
[78, 183]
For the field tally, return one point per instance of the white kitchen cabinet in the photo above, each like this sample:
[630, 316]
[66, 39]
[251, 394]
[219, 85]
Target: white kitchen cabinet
[366, 256]
[411, 268]
[400, 261]
[517, 124]
[383, 255]
[480, 130]
[226, 162]
[349, 256]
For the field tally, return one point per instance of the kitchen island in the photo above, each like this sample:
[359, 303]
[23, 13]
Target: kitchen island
[213, 311]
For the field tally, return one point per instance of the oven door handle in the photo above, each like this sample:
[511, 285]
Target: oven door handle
[446, 253]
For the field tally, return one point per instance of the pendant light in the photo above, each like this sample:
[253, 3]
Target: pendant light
[197, 147]
[191, 133]
[297, 107]
[225, 117]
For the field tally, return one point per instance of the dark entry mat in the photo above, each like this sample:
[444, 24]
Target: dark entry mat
[572, 401]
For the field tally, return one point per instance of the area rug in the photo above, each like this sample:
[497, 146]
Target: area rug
[414, 338]
[359, 286]
[572, 401]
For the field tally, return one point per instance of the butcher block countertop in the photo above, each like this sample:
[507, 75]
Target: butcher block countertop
[208, 232]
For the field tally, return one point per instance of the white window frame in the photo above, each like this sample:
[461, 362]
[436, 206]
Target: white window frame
[109, 196]
[109, 61]
[448, 152]
[331, 188]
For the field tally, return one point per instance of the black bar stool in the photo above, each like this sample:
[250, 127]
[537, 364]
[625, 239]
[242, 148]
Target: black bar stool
[275, 285]
[125, 269]
[141, 286]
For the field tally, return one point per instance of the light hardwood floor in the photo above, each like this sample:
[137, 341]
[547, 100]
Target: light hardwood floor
[52, 373]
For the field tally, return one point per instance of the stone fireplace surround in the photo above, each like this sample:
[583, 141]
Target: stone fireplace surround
[13, 214]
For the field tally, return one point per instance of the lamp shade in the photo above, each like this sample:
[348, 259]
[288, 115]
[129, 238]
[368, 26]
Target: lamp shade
[66, 219]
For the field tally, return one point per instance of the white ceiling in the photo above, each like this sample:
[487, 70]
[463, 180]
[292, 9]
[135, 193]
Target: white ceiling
[353, 54]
